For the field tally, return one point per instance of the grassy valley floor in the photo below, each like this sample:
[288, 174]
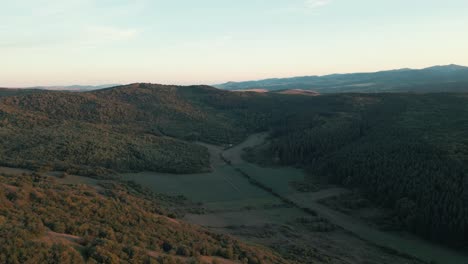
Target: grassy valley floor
[234, 206]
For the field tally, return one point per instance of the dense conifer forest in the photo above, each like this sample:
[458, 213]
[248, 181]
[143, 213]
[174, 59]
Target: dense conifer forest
[406, 152]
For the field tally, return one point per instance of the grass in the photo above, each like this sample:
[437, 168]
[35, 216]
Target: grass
[255, 217]
[278, 178]
[222, 185]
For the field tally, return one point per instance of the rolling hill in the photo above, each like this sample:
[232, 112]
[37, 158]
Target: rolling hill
[136, 127]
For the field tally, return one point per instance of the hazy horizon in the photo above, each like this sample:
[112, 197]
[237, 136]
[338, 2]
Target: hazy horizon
[110, 84]
[85, 42]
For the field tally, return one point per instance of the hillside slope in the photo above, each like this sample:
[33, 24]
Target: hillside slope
[43, 221]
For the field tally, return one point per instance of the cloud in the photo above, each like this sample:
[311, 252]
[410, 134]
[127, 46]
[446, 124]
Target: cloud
[313, 4]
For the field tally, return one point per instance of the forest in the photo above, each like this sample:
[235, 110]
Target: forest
[408, 152]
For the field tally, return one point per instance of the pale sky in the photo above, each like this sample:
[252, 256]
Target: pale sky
[64, 42]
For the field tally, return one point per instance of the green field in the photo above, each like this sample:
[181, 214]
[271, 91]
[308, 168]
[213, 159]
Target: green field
[223, 188]
[223, 185]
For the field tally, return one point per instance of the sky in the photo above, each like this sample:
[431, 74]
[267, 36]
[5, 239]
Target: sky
[91, 42]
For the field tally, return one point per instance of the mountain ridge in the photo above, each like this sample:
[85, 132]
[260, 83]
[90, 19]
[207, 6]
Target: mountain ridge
[439, 78]
[75, 87]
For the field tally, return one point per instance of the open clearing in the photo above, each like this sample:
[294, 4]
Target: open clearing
[223, 185]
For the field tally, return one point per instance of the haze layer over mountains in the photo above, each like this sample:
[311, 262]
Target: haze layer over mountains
[449, 78]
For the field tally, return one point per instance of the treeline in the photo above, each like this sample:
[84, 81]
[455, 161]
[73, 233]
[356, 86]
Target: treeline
[406, 152]
[44, 222]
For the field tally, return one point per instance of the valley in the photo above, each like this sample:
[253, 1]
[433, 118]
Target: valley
[200, 155]
[235, 206]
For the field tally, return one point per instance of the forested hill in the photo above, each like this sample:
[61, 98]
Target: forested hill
[134, 127]
[449, 78]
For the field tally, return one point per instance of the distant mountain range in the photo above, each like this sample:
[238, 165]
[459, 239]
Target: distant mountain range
[77, 88]
[447, 78]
